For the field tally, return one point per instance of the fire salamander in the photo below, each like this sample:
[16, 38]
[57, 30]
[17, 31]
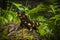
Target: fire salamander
[26, 22]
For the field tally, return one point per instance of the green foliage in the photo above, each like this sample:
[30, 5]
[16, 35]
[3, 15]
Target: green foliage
[40, 7]
[20, 6]
[49, 27]
[8, 16]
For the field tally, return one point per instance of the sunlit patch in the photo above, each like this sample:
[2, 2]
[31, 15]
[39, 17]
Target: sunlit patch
[19, 14]
[37, 23]
[31, 29]
[26, 14]
[25, 22]
[23, 15]
[33, 21]
[37, 31]
[29, 24]
[33, 25]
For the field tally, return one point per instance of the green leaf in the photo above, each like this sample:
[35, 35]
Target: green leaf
[10, 17]
[19, 6]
